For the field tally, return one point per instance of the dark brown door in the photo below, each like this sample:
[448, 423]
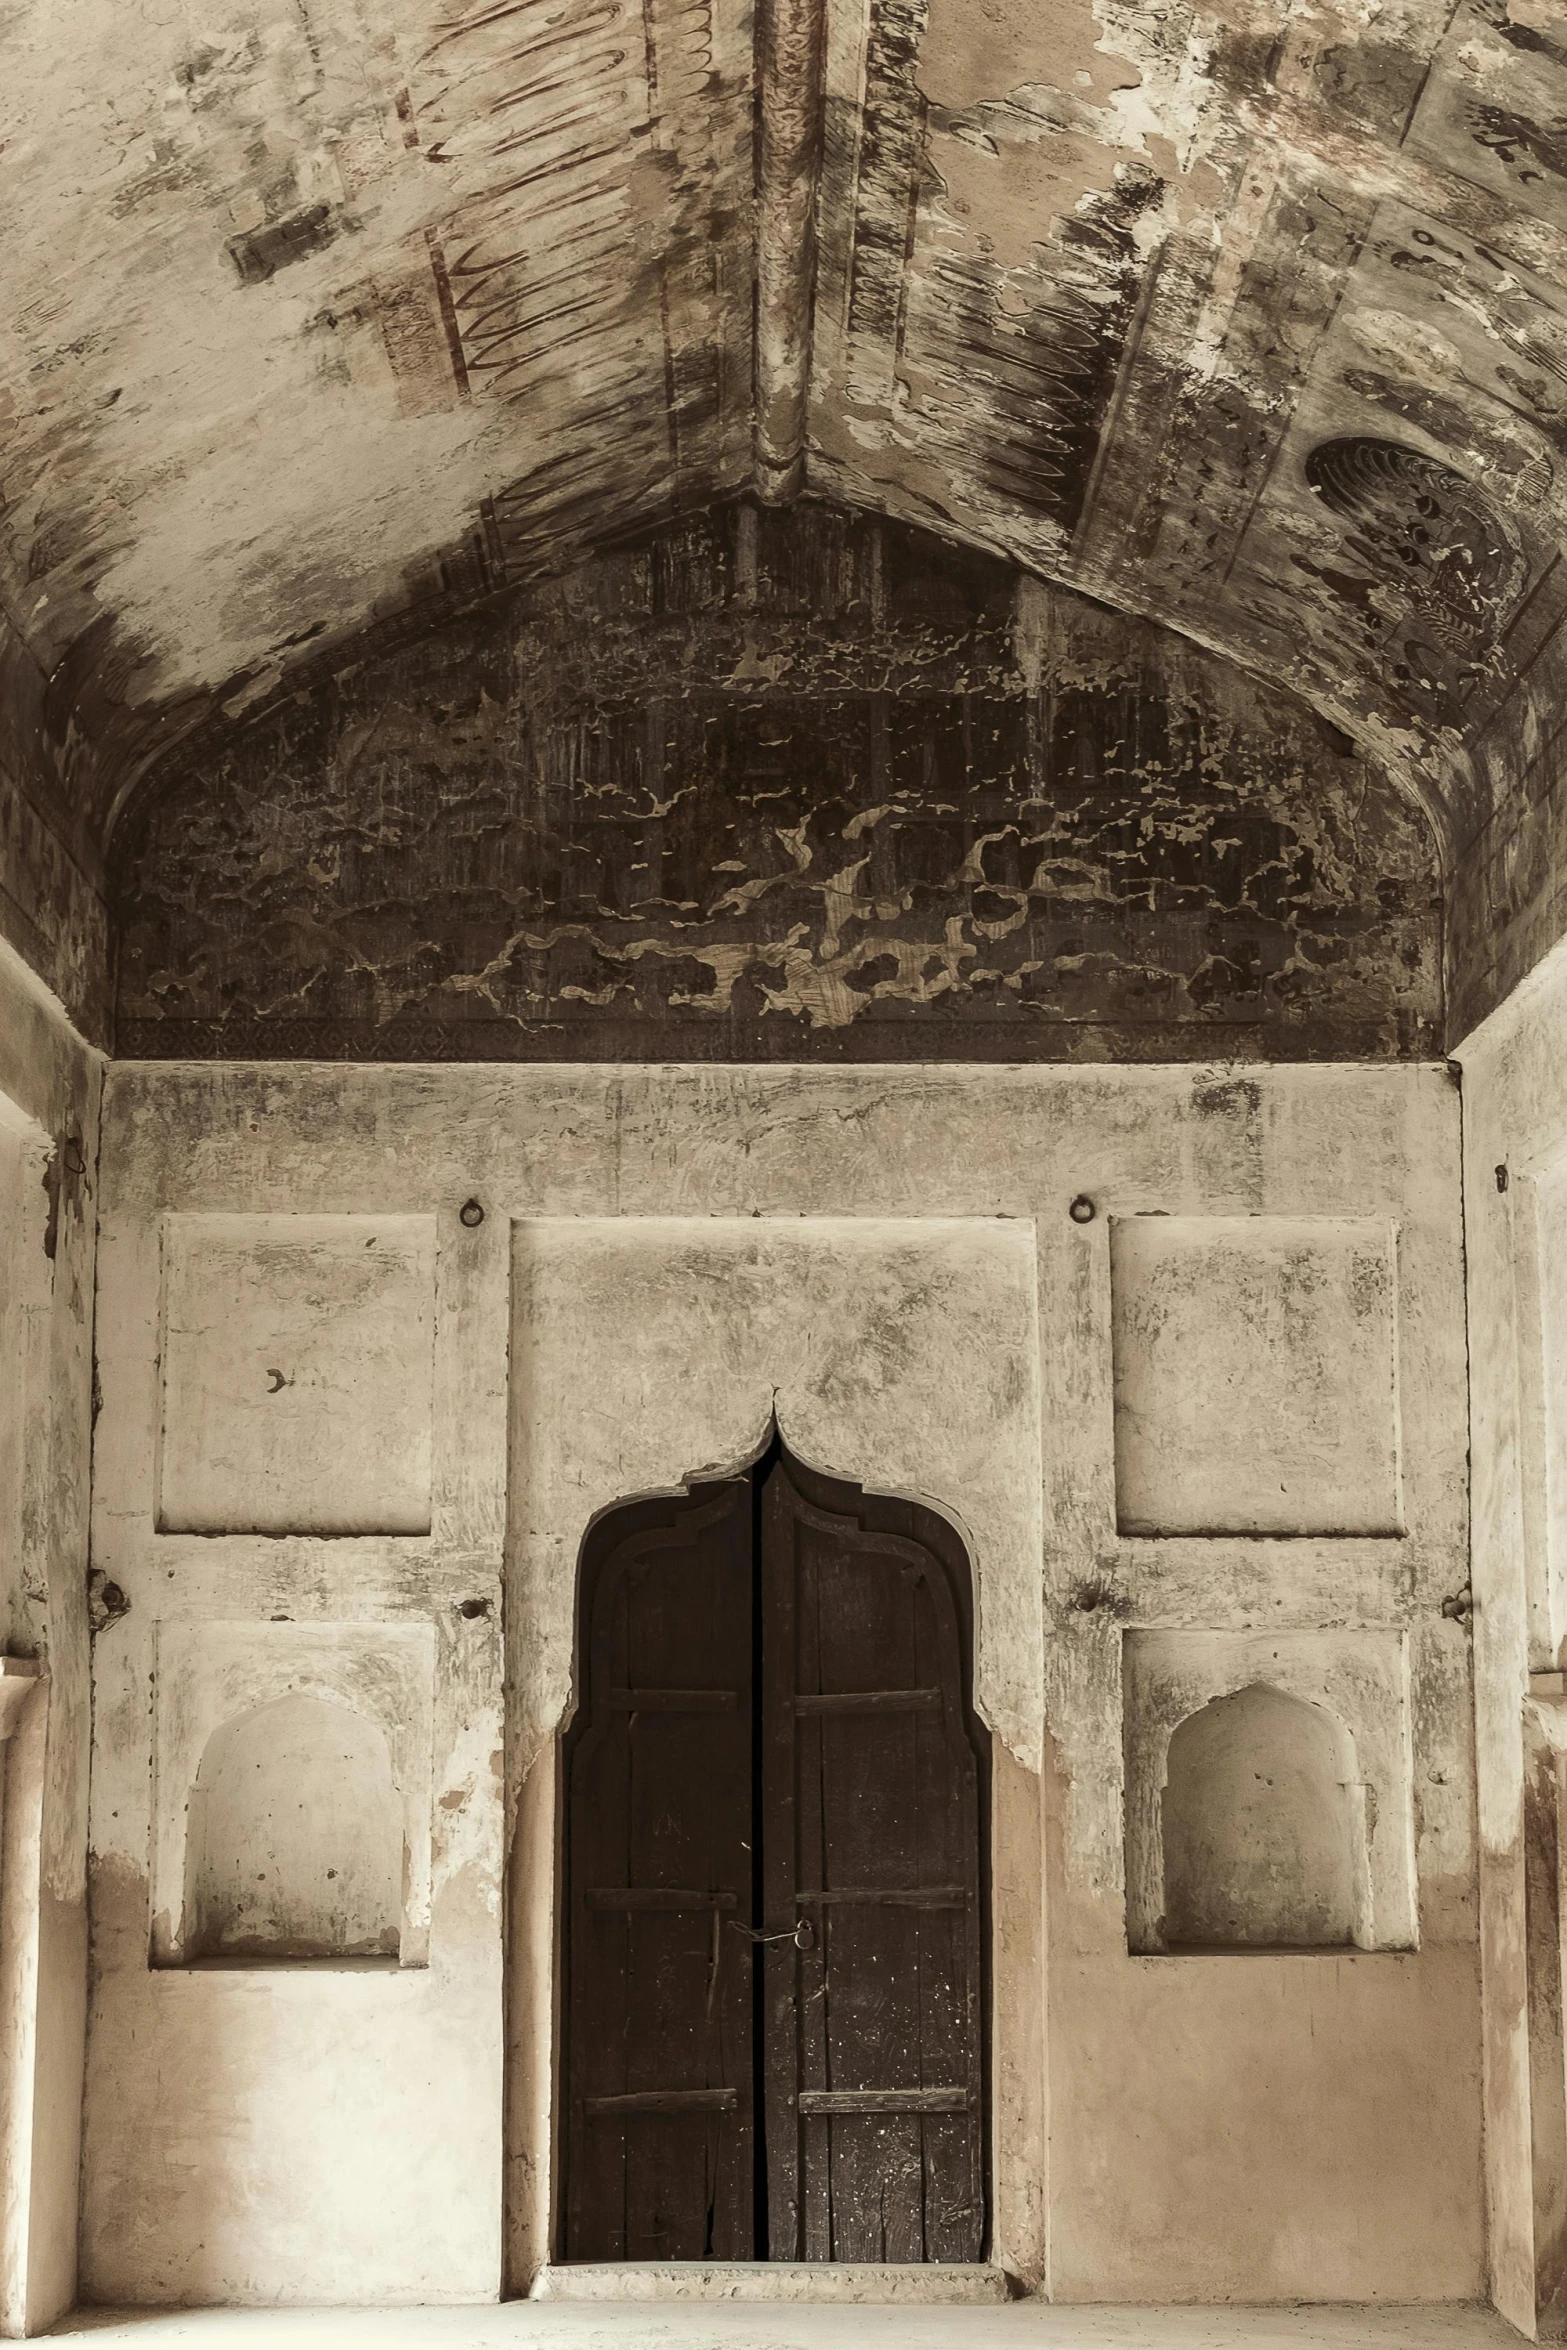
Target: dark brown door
[774, 1959]
[660, 2161]
[871, 1806]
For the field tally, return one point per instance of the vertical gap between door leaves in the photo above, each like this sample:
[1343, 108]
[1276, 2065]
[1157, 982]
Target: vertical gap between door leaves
[759, 2217]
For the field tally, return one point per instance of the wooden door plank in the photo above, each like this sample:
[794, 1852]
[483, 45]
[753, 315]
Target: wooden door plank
[892, 1896]
[673, 1701]
[814, 1973]
[857, 1701]
[689, 1807]
[884, 2100]
[659, 2105]
[781, 2055]
[598, 1960]
[657, 1897]
[869, 1840]
[666, 2101]
[951, 2032]
[889, 2112]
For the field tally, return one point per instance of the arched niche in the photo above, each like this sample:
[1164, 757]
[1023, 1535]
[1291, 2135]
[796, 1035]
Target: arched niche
[1263, 1828]
[294, 1848]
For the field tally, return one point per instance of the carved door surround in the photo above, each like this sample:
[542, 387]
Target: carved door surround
[651, 1356]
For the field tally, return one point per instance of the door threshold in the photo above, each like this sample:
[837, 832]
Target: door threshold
[930, 2283]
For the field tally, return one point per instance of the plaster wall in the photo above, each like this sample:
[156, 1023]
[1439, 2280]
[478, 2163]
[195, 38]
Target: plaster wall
[266, 2126]
[1203, 2127]
[902, 1350]
[1515, 1167]
[49, 1093]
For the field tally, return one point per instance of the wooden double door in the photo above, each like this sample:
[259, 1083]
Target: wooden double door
[774, 2028]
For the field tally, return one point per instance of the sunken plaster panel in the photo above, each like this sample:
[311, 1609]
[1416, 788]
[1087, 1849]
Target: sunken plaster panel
[296, 1356]
[1256, 1375]
[1264, 1828]
[1541, 1277]
[780, 787]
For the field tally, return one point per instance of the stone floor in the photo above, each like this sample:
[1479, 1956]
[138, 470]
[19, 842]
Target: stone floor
[1020, 2325]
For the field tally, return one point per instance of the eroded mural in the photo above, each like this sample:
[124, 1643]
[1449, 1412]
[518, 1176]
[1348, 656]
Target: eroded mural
[778, 785]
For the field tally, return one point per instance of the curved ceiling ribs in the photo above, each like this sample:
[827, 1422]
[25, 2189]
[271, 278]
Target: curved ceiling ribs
[1146, 280]
[791, 46]
[1250, 318]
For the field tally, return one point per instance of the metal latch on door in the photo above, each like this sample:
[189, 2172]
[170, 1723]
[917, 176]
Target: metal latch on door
[802, 1934]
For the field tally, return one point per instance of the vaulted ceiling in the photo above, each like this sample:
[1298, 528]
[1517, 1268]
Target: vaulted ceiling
[1247, 316]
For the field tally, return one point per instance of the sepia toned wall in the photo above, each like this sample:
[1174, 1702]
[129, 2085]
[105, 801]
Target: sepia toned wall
[1219, 2124]
[1515, 1188]
[409, 652]
[49, 1095]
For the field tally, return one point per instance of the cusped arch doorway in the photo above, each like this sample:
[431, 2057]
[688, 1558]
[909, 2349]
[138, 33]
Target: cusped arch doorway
[776, 1801]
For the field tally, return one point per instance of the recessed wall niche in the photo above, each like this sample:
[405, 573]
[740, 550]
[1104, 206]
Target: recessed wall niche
[292, 1791]
[294, 1843]
[1263, 1827]
[1268, 1799]
[298, 1371]
[1255, 1371]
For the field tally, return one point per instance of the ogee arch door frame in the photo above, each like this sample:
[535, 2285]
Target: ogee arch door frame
[774, 1922]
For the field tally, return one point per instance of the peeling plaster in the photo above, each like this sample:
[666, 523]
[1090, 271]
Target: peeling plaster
[324, 321]
[825, 789]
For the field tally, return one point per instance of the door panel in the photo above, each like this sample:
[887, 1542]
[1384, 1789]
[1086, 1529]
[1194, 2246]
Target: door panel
[871, 1829]
[659, 2155]
[845, 1619]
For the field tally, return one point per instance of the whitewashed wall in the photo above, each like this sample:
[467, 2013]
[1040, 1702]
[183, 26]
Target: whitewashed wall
[49, 1086]
[1515, 1194]
[1245, 1420]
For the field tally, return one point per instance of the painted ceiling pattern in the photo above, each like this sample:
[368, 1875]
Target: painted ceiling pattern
[1248, 318]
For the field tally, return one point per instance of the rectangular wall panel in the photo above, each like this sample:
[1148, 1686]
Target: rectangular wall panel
[1256, 1382]
[298, 1356]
